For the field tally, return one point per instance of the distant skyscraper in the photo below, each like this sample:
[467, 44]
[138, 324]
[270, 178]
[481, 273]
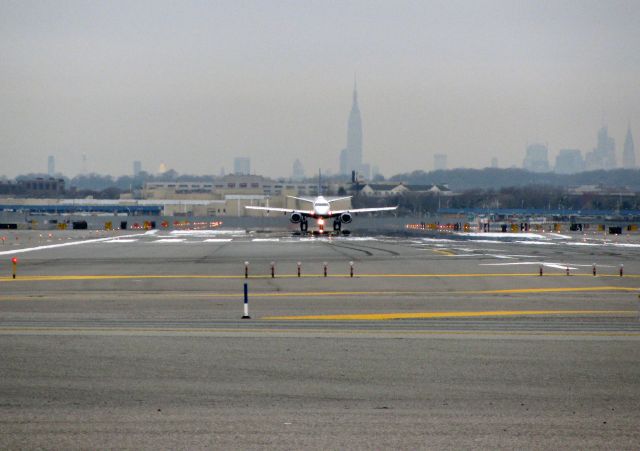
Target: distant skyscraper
[51, 165]
[494, 162]
[298, 170]
[344, 162]
[439, 162]
[629, 152]
[242, 166]
[604, 155]
[365, 171]
[351, 156]
[569, 161]
[137, 168]
[537, 158]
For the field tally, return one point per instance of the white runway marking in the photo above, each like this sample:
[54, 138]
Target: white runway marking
[571, 266]
[119, 240]
[558, 235]
[218, 240]
[356, 238]
[53, 246]
[265, 239]
[580, 243]
[207, 233]
[437, 240]
[504, 235]
[169, 240]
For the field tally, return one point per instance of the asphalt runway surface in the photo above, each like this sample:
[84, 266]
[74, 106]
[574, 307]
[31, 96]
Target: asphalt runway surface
[135, 340]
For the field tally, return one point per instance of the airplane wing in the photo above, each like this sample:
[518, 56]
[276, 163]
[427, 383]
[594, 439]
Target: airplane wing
[339, 198]
[362, 210]
[283, 210]
[301, 198]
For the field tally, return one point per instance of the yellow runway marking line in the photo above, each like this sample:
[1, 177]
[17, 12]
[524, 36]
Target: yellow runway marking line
[431, 315]
[559, 274]
[63, 278]
[112, 277]
[399, 293]
[549, 290]
[443, 252]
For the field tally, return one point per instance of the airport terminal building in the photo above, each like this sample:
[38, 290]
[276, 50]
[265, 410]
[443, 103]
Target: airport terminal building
[226, 196]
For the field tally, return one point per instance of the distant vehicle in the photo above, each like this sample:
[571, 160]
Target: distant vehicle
[321, 211]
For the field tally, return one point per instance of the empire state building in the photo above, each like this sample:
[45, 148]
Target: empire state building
[351, 156]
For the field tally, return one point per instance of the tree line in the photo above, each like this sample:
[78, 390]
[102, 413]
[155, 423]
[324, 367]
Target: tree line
[465, 179]
[534, 196]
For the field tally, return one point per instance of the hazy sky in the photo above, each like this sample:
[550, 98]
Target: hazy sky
[193, 84]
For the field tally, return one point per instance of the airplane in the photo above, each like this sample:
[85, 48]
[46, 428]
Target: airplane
[321, 211]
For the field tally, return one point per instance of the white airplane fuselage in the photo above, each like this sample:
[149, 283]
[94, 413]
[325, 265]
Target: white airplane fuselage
[321, 207]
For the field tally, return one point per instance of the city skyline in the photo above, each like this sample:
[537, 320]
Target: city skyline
[537, 157]
[194, 85]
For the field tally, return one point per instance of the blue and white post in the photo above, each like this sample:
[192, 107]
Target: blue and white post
[246, 302]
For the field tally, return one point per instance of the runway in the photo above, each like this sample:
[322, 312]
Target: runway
[135, 340]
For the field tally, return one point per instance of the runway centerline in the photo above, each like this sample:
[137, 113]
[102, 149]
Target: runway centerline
[456, 314]
[61, 278]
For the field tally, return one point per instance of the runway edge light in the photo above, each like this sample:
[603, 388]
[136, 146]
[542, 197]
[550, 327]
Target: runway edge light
[14, 264]
[246, 302]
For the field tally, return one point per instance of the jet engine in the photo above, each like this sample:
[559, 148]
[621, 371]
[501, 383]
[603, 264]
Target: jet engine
[346, 217]
[295, 217]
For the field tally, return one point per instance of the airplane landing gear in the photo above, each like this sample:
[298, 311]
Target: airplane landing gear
[337, 226]
[304, 226]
